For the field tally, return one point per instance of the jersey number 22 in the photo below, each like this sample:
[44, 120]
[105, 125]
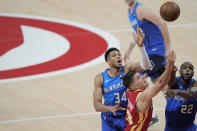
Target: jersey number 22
[186, 109]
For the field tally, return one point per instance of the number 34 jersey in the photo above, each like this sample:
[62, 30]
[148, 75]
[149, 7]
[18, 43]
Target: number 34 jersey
[114, 92]
[179, 112]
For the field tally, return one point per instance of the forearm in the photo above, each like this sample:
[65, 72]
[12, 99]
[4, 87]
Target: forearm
[184, 94]
[161, 82]
[165, 34]
[165, 77]
[131, 46]
[145, 62]
[99, 107]
[188, 94]
[172, 80]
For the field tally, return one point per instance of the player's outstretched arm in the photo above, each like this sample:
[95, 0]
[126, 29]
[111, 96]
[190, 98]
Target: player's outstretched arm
[128, 52]
[173, 82]
[146, 96]
[145, 13]
[145, 62]
[186, 94]
[97, 97]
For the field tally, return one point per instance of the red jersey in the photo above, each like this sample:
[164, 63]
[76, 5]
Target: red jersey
[136, 121]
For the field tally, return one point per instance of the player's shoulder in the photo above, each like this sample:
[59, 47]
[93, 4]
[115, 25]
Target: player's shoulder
[134, 94]
[143, 8]
[98, 78]
[194, 84]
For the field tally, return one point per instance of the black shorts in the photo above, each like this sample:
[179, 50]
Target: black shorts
[158, 64]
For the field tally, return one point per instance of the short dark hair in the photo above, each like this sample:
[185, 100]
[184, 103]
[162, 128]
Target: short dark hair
[108, 52]
[187, 63]
[128, 78]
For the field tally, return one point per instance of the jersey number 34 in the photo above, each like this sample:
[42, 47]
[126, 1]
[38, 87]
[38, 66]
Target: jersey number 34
[124, 98]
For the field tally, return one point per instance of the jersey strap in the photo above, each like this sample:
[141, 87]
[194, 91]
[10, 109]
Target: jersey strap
[181, 86]
[133, 17]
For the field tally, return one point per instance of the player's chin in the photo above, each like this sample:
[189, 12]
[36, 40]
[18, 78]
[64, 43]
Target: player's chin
[119, 64]
[187, 77]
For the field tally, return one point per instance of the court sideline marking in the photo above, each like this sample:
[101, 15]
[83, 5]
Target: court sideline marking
[57, 116]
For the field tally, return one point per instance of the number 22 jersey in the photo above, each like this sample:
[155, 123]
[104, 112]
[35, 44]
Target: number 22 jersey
[180, 113]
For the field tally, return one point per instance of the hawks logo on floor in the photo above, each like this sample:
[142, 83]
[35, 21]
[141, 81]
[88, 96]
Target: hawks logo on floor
[33, 47]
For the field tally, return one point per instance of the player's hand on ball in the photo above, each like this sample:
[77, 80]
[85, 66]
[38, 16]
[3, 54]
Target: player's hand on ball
[139, 37]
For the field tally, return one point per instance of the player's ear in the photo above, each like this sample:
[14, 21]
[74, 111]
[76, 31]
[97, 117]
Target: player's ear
[108, 61]
[193, 74]
[180, 72]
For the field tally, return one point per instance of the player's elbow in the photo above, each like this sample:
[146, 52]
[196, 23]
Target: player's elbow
[145, 66]
[96, 107]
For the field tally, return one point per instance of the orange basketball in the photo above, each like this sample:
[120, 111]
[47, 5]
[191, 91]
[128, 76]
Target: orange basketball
[169, 11]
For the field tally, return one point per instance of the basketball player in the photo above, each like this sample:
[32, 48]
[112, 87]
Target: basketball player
[156, 41]
[109, 85]
[181, 105]
[139, 108]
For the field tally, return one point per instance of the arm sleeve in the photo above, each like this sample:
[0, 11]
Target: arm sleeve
[145, 62]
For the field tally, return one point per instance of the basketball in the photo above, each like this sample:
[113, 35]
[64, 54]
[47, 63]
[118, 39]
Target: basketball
[169, 11]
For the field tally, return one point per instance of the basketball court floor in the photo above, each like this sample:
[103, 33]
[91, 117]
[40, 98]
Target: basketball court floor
[52, 49]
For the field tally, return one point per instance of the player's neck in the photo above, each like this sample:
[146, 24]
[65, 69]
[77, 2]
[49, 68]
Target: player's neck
[132, 5]
[185, 83]
[136, 88]
[112, 72]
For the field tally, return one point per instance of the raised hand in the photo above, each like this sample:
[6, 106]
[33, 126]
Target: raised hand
[171, 57]
[139, 37]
